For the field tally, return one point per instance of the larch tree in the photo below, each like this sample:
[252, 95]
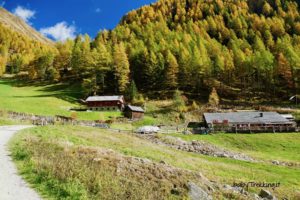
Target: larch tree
[121, 67]
[63, 58]
[284, 71]
[3, 58]
[214, 99]
[132, 91]
[172, 69]
[179, 102]
[101, 64]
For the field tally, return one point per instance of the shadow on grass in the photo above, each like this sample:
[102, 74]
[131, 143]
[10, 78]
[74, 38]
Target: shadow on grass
[69, 92]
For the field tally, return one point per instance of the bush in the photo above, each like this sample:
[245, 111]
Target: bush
[74, 115]
[195, 106]
[214, 99]
[132, 91]
[179, 102]
[139, 100]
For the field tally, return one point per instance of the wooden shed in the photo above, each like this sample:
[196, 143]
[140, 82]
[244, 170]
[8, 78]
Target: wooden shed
[105, 103]
[134, 112]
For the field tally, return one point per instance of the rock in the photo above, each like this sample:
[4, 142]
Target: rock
[187, 132]
[143, 160]
[227, 187]
[195, 142]
[266, 194]
[175, 191]
[235, 189]
[97, 159]
[163, 162]
[223, 155]
[197, 193]
[276, 162]
[244, 192]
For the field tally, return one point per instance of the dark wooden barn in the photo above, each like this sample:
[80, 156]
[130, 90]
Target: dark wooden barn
[248, 122]
[133, 112]
[105, 103]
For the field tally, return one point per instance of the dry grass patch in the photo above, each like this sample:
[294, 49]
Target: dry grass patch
[221, 170]
[65, 171]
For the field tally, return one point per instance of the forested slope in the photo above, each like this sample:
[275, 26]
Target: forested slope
[194, 45]
[19, 52]
[242, 44]
[239, 47]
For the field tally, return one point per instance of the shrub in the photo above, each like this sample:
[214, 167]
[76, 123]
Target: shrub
[179, 102]
[214, 99]
[195, 106]
[139, 100]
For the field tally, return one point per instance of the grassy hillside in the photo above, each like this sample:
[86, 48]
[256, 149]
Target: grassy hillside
[49, 100]
[38, 153]
[57, 99]
[283, 147]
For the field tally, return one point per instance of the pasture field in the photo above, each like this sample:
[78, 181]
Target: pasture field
[48, 100]
[57, 99]
[280, 146]
[38, 154]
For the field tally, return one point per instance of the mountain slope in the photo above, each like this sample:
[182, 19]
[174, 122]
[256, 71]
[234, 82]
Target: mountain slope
[21, 46]
[232, 45]
[17, 24]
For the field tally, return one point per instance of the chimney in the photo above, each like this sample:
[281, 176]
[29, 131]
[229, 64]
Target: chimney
[261, 114]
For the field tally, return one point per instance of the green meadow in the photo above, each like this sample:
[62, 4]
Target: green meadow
[268, 146]
[48, 100]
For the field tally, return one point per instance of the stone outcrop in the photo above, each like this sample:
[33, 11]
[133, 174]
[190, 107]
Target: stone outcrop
[196, 147]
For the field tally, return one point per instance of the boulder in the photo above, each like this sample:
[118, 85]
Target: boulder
[163, 162]
[276, 162]
[266, 194]
[197, 193]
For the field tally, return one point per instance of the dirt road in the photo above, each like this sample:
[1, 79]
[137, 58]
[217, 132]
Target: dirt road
[12, 186]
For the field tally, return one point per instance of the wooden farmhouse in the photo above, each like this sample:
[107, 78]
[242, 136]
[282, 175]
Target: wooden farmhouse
[105, 103]
[133, 112]
[248, 122]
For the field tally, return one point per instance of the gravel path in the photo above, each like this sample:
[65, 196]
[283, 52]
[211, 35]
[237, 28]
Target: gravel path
[12, 186]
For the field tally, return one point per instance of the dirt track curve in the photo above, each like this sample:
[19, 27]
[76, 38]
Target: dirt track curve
[12, 186]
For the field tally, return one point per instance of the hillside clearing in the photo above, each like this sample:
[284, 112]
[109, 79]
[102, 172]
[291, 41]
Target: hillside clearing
[47, 100]
[222, 170]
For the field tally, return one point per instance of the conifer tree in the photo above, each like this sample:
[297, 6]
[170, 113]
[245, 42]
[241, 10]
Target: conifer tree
[132, 91]
[3, 58]
[121, 64]
[171, 79]
[179, 102]
[284, 71]
[214, 98]
[63, 58]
